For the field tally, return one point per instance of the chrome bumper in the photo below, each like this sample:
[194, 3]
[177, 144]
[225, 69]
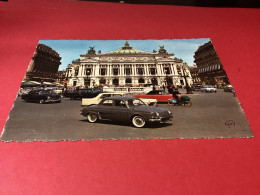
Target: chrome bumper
[51, 100]
[161, 119]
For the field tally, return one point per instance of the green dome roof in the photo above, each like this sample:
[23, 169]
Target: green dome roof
[127, 50]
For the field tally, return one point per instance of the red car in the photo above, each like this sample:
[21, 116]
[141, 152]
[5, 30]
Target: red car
[160, 95]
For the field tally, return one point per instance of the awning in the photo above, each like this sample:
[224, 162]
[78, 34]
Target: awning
[28, 84]
[59, 84]
[35, 82]
[48, 83]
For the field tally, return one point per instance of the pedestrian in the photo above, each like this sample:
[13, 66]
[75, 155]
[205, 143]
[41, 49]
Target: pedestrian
[170, 89]
[154, 88]
[176, 94]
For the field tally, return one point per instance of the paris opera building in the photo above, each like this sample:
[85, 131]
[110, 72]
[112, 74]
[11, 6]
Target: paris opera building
[127, 66]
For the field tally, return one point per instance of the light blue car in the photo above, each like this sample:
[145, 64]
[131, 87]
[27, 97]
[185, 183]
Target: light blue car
[208, 88]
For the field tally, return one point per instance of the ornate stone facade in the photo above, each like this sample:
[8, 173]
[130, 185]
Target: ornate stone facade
[194, 74]
[210, 69]
[44, 64]
[126, 66]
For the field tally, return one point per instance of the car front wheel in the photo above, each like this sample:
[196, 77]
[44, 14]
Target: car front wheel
[92, 117]
[138, 121]
[42, 101]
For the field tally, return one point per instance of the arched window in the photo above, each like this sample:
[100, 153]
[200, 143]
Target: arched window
[128, 80]
[115, 82]
[141, 80]
[102, 81]
[154, 81]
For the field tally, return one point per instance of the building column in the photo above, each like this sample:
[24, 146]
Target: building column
[134, 67]
[93, 69]
[172, 70]
[97, 69]
[83, 67]
[162, 70]
[110, 67]
[146, 69]
[158, 69]
[175, 69]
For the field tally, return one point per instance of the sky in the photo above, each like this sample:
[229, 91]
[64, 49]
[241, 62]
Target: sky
[72, 49]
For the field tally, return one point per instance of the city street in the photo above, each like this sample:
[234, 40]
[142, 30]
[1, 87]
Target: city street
[212, 115]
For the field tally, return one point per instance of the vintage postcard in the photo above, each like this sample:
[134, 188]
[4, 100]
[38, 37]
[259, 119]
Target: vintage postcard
[125, 89]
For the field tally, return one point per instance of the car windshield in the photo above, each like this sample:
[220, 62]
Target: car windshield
[45, 92]
[151, 93]
[136, 102]
[157, 93]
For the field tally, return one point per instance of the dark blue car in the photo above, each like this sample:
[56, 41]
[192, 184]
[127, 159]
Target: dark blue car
[42, 96]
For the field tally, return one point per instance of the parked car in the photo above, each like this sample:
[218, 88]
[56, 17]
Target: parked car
[208, 88]
[24, 91]
[159, 95]
[228, 88]
[127, 109]
[42, 96]
[82, 93]
[99, 97]
[57, 89]
[196, 87]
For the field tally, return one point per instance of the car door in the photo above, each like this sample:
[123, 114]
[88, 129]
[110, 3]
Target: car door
[151, 95]
[105, 109]
[34, 96]
[159, 96]
[119, 111]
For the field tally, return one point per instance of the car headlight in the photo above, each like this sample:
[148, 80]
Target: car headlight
[170, 112]
[155, 115]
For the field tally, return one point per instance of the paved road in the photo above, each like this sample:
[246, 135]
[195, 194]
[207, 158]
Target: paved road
[208, 117]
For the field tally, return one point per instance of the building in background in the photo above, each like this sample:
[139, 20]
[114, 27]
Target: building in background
[61, 76]
[194, 74]
[210, 69]
[126, 66]
[44, 65]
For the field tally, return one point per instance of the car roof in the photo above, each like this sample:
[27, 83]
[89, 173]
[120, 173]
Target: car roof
[120, 98]
[42, 90]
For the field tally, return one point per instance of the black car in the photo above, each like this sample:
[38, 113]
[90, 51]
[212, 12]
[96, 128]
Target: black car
[196, 87]
[42, 96]
[228, 88]
[127, 109]
[82, 93]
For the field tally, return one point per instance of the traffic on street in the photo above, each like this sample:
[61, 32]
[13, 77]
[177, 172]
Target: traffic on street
[212, 115]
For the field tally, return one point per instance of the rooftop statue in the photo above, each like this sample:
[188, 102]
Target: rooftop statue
[91, 50]
[127, 46]
[162, 50]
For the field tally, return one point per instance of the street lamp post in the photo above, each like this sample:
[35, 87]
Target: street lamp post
[188, 88]
[87, 78]
[166, 78]
[65, 87]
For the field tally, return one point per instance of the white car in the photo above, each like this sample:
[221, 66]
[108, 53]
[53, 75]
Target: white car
[99, 97]
[208, 88]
